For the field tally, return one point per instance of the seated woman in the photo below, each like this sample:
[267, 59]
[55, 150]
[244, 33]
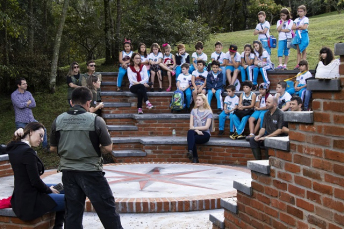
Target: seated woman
[138, 78]
[328, 67]
[93, 83]
[31, 197]
[201, 123]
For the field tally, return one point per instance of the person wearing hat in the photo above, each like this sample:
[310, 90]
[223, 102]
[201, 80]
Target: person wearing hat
[233, 61]
[259, 110]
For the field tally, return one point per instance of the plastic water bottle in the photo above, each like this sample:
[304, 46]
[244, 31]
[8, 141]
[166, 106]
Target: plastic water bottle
[173, 133]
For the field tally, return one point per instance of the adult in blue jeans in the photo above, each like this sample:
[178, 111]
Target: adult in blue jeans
[200, 126]
[23, 103]
[31, 197]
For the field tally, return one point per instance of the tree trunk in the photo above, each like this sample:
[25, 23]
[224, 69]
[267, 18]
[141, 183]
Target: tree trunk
[30, 27]
[57, 44]
[118, 29]
[107, 12]
[112, 34]
[5, 37]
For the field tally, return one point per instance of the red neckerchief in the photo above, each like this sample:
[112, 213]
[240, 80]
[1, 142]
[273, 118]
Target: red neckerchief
[138, 76]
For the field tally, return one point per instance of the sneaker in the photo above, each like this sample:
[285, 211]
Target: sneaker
[241, 136]
[152, 89]
[189, 154]
[173, 73]
[280, 67]
[285, 67]
[233, 136]
[139, 111]
[296, 67]
[168, 89]
[119, 89]
[149, 106]
[160, 89]
[221, 132]
[219, 111]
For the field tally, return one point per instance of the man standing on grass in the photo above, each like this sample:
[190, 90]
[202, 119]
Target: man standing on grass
[80, 137]
[23, 102]
[91, 70]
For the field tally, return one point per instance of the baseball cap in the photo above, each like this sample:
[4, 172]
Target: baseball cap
[233, 48]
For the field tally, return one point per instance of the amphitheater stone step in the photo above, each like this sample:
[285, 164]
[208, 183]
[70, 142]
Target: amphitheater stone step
[243, 186]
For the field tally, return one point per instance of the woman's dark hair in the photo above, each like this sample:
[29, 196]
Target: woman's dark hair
[286, 12]
[139, 50]
[32, 126]
[92, 79]
[133, 57]
[249, 46]
[329, 56]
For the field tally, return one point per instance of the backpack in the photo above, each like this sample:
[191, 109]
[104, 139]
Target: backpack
[177, 102]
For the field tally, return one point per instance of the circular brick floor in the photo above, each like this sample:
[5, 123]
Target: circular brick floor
[167, 187]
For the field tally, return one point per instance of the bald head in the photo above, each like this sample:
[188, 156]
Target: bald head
[271, 102]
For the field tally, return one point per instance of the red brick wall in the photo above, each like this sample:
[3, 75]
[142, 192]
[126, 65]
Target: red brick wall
[177, 153]
[5, 169]
[306, 186]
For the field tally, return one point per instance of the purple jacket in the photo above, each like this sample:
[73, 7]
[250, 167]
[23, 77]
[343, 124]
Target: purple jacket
[22, 112]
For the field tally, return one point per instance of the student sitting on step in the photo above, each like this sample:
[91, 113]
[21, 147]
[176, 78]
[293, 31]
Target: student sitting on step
[138, 78]
[199, 80]
[300, 85]
[215, 84]
[244, 111]
[283, 96]
[230, 105]
[93, 83]
[183, 84]
[201, 123]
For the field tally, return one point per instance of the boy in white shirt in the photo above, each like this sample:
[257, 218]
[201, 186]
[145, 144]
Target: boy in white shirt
[183, 84]
[198, 55]
[199, 79]
[283, 96]
[233, 61]
[219, 56]
[230, 104]
[262, 30]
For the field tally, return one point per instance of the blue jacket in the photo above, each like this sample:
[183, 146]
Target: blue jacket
[214, 83]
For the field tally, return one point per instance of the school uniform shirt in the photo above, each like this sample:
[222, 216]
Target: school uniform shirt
[184, 80]
[283, 99]
[303, 77]
[203, 56]
[246, 100]
[143, 58]
[251, 56]
[200, 77]
[264, 55]
[237, 57]
[168, 60]
[154, 57]
[231, 102]
[262, 101]
[126, 56]
[286, 25]
[218, 56]
[262, 26]
[299, 22]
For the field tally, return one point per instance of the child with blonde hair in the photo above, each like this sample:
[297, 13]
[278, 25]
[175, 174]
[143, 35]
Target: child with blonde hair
[168, 63]
[155, 58]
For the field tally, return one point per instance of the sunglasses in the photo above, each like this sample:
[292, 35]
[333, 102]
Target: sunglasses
[92, 65]
[76, 67]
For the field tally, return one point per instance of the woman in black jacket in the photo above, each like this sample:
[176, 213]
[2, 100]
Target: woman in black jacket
[31, 197]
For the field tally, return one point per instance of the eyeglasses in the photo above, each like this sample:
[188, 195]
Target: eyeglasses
[92, 65]
[76, 67]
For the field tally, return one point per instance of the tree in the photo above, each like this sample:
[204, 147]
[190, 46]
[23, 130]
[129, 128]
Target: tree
[57, 47]
[108, 26]
[337, 4]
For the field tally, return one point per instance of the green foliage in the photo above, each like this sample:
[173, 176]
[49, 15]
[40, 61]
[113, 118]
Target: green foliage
[162, 21]
[9, 18]
[271, 9]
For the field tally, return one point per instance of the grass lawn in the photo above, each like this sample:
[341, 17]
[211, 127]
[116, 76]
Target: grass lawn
[51, 105]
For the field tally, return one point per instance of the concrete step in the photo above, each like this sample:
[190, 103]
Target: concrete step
[121, 127]
[169, 140]
[280, 143]
[298, 116]
[230, 204]
[116, 104]
[243, 186]
[260, 166]
[128, 153]
[217, 219]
